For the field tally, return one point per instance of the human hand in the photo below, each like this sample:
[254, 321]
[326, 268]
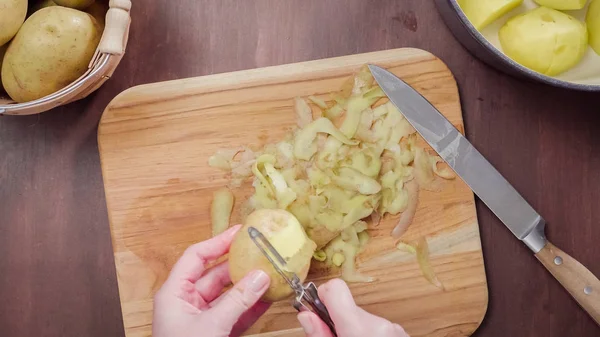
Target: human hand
[190, 303]
[349, 319]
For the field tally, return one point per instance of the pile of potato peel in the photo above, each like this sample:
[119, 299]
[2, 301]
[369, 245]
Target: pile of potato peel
[349, 163]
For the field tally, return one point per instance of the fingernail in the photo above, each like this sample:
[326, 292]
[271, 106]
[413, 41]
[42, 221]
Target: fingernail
[233, 230]
[306, 323]
[258, 281]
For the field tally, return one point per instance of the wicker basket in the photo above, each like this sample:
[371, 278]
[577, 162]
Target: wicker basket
[104, 62]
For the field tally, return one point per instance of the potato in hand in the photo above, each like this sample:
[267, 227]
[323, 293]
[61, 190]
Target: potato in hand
[286, 235]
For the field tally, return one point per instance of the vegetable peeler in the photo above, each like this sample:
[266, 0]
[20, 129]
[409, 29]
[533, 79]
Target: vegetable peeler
[307, 296]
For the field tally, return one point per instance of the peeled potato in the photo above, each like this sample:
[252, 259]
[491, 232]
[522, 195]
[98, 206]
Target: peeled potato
[12, 15]
[77, 4]
[593, 23]
[544, 40]
[563, 5]
[483, 12]
[52, 49]
[286, 235]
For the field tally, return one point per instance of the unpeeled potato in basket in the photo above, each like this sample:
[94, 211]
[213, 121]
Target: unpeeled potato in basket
[2, 52]
[41, 4]
[97, 9]
[77, 4]
[12, 15]
[52, 49]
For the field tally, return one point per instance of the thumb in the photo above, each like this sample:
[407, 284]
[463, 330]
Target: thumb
[349, 319]
[240, 299]
[338, 299]
[313, 326]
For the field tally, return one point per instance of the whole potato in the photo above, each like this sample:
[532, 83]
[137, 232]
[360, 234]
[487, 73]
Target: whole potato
[12, 15]
[545, 40]
[593, 21]
[77, 4]
[98, 10]
[52, 49]
[286, 235]
[40, 5]
[2, 52]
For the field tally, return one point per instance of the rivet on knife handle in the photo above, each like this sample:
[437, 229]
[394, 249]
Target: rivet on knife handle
[491, 187]
[575, 277]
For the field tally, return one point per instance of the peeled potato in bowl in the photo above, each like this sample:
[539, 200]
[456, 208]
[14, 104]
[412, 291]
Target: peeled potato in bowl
[483, 12]
[593, 23]
[562, 4]
[544, 40]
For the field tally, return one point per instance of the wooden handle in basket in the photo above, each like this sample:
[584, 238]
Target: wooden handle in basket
[117, 24]
[575, 277]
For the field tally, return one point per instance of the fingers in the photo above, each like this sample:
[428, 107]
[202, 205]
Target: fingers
[313, 326]
[210, 285]
[192, 264]
[239, 299]
[338, 299]
[349, 319]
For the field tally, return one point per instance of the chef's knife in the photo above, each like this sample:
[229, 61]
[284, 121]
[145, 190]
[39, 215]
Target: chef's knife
[491, 187]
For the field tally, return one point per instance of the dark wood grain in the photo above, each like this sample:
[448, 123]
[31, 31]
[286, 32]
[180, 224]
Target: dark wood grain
[57, 275]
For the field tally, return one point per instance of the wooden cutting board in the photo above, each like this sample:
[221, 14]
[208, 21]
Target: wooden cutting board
[155, 141]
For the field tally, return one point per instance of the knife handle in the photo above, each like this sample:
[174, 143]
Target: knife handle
[575, 277]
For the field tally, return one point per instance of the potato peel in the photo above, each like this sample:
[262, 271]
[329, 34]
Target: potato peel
[303, 112]
[425, 263]
[408, 215]
[421, 250]
[220, 210]
[358, 161]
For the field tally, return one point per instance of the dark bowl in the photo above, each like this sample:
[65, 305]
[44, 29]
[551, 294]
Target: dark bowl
[482, 48]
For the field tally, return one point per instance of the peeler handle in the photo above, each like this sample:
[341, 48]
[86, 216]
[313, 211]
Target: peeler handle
[318, 306]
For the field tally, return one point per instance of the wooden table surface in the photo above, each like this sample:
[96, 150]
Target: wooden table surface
[57, 275]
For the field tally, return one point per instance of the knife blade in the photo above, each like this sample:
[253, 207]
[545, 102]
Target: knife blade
[491, 187]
